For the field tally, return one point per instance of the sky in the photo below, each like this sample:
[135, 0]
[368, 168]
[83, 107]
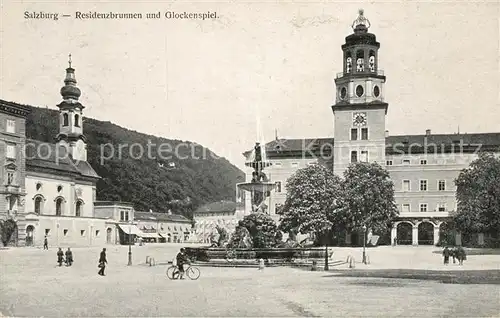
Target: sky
[260, 67]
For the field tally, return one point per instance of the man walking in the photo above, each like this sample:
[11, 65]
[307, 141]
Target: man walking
[69, 257]
[102, 262]
[45, 243]
[60, 256]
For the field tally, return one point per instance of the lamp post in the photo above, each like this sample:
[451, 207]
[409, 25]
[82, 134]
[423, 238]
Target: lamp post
[129, 243]
[364, 244]
[326, 233]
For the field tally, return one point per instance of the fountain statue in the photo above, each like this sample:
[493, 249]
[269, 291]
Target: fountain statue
[259, 187]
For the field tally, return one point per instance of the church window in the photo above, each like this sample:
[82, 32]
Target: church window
[59, 206]
[376, 91]
[78, 211]
[38, 186]
[77, 120]
[65, 120]
[59, 188]
[38, 205]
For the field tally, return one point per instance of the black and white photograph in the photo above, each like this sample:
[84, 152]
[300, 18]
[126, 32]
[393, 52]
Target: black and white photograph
[249, 158]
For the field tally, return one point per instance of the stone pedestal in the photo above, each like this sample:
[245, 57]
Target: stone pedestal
[436, 235]
[458, 239]
[394, 235]
[414, 235]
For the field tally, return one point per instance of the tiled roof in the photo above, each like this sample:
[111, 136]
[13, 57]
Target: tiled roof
[162, 217]
[488, 141]
[217, 207]
[44, 155]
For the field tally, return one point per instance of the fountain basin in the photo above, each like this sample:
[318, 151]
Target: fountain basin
[256, 186]
[208, 254]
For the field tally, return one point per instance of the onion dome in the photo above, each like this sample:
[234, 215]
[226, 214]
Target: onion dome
[70, 91]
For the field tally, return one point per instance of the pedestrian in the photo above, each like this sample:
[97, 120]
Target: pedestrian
[454, 254]
[45, 243]
[446, 255]
[60, 256]
[102, 262]
[69, 257]
[461, 255]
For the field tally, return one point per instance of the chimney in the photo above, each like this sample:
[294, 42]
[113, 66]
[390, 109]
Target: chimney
[428, 132]
[386, 133]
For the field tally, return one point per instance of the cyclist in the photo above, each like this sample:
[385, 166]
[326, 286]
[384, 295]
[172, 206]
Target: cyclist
[181, 260]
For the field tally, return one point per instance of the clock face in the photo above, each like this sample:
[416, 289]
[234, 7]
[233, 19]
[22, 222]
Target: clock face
[376, 91]
[343, 92]
[359, 90]
[359, 119]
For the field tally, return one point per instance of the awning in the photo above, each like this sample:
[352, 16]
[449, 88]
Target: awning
[149, 235]
[130, 229]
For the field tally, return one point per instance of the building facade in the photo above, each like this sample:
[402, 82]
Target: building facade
[224, 214]
[49, 189]
[164, 227]
[422, 167]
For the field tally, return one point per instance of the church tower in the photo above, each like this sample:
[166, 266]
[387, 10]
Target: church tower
[71, 118]
[359, 110]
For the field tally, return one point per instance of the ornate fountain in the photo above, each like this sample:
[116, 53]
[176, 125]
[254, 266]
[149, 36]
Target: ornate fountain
[242, 252]
[260, 188]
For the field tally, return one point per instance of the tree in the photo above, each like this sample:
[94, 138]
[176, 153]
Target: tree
[367, 198]
[261, 228]
[310, 203]
[478, 196]
[7, 228]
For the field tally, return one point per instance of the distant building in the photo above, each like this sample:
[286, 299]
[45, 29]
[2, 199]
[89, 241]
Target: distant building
[422, 167]
[225, 214]
[163, 227]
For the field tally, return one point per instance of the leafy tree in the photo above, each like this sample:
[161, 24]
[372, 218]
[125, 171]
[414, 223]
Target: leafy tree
[478, 196]
[367, 198]
[262, 230]
[310, 204]
[7, 228]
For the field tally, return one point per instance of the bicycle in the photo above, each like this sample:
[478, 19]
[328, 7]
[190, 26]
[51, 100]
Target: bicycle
[192, 272]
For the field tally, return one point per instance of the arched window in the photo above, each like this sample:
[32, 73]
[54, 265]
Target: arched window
[360, 61]
[38, 204]
[77, 120]
[59, 206]
[65, 119]
[348, 66]
[78, 210]
[371, 61]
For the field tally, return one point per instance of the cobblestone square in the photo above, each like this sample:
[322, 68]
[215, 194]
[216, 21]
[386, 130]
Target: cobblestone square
[32, 285]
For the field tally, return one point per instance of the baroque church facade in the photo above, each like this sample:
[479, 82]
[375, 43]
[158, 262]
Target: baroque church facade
[49, 189]
[422, 167]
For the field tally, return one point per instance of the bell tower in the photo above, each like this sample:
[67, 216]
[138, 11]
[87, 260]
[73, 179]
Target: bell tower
[359, 110]
[71, 118]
